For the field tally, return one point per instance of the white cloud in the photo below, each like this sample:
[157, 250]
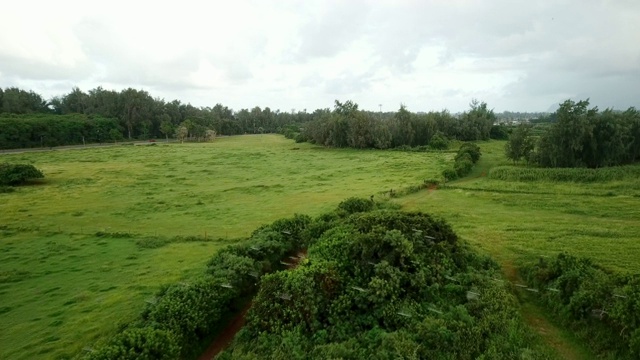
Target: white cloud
[515, 55]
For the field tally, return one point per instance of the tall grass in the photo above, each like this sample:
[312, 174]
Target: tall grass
[577, 175]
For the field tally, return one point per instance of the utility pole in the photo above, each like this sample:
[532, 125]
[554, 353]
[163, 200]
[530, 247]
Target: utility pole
[380, 105]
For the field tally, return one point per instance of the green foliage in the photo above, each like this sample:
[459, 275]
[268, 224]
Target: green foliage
[37, 130]
[465, 158]
[347, 126]
[603, 307]
[439, 142]
[146, 343]
[17, 174]
[584, 137]
[520, 144]
[449, 174]
[354, 205]
[470, 149]
[499, 132]
[577, 175]
[383, 284]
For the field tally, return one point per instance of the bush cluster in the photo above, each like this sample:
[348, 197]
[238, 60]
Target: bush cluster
[384, 284]
[16, 174]
[467, 156]
[181, 316]
[603, 307]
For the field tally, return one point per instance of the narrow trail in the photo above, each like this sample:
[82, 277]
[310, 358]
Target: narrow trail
[533, 315]
[226, 335]
[224, 338]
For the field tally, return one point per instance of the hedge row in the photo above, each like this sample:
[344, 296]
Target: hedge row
[467, 156]
[182, 316]
[601, 306]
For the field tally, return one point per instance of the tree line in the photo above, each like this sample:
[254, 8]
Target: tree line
[347, 126]
[28, 120]
[580, 137]
[99, 115]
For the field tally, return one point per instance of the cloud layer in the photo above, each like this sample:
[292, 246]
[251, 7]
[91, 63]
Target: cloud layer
[288, 54]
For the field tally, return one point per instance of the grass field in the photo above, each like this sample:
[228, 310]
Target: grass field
[62, 287]
[516, 221]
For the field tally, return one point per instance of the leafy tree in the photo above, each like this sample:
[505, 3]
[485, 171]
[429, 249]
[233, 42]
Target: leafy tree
[16, 174]
[439, 142]
[166, 127]
[115, 135]
[520, 144]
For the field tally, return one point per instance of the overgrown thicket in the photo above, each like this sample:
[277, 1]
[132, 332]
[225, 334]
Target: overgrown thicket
[347, 126]
[602, 307]
[17, 174]
[181, 316]
[581, 137]
[467, 156]
[384, 284]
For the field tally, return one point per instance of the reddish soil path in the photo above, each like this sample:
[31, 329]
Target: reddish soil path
[225, 337]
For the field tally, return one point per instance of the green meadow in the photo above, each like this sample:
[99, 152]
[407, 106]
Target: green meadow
[516, 221]
[81, 251]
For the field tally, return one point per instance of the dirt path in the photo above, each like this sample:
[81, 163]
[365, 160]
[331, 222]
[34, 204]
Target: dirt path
[533, 315]
[225, 337]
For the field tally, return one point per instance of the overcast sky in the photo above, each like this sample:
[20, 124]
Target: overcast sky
[429, 55]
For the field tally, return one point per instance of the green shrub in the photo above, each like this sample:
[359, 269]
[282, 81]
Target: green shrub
[146, 343]
[471, 149]
[439, 142]
[463, 167]
[17, 174]
[450, 174]
[354, 205]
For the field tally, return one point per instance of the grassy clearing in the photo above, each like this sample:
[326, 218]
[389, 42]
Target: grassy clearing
[62, 287]
[522, 220]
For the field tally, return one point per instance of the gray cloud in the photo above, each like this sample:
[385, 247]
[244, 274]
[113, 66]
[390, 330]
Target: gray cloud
[515, 55]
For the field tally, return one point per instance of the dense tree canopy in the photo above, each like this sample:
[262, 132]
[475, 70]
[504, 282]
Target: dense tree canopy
[586, 137]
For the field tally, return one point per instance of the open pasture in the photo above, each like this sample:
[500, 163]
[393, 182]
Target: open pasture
[523, 220]
[82, 251]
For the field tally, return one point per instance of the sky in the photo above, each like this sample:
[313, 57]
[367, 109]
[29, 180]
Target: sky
[429, 55]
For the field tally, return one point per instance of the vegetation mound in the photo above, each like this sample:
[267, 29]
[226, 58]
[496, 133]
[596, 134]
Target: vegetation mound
[384, 284]
[17, 174]
[467, 156]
